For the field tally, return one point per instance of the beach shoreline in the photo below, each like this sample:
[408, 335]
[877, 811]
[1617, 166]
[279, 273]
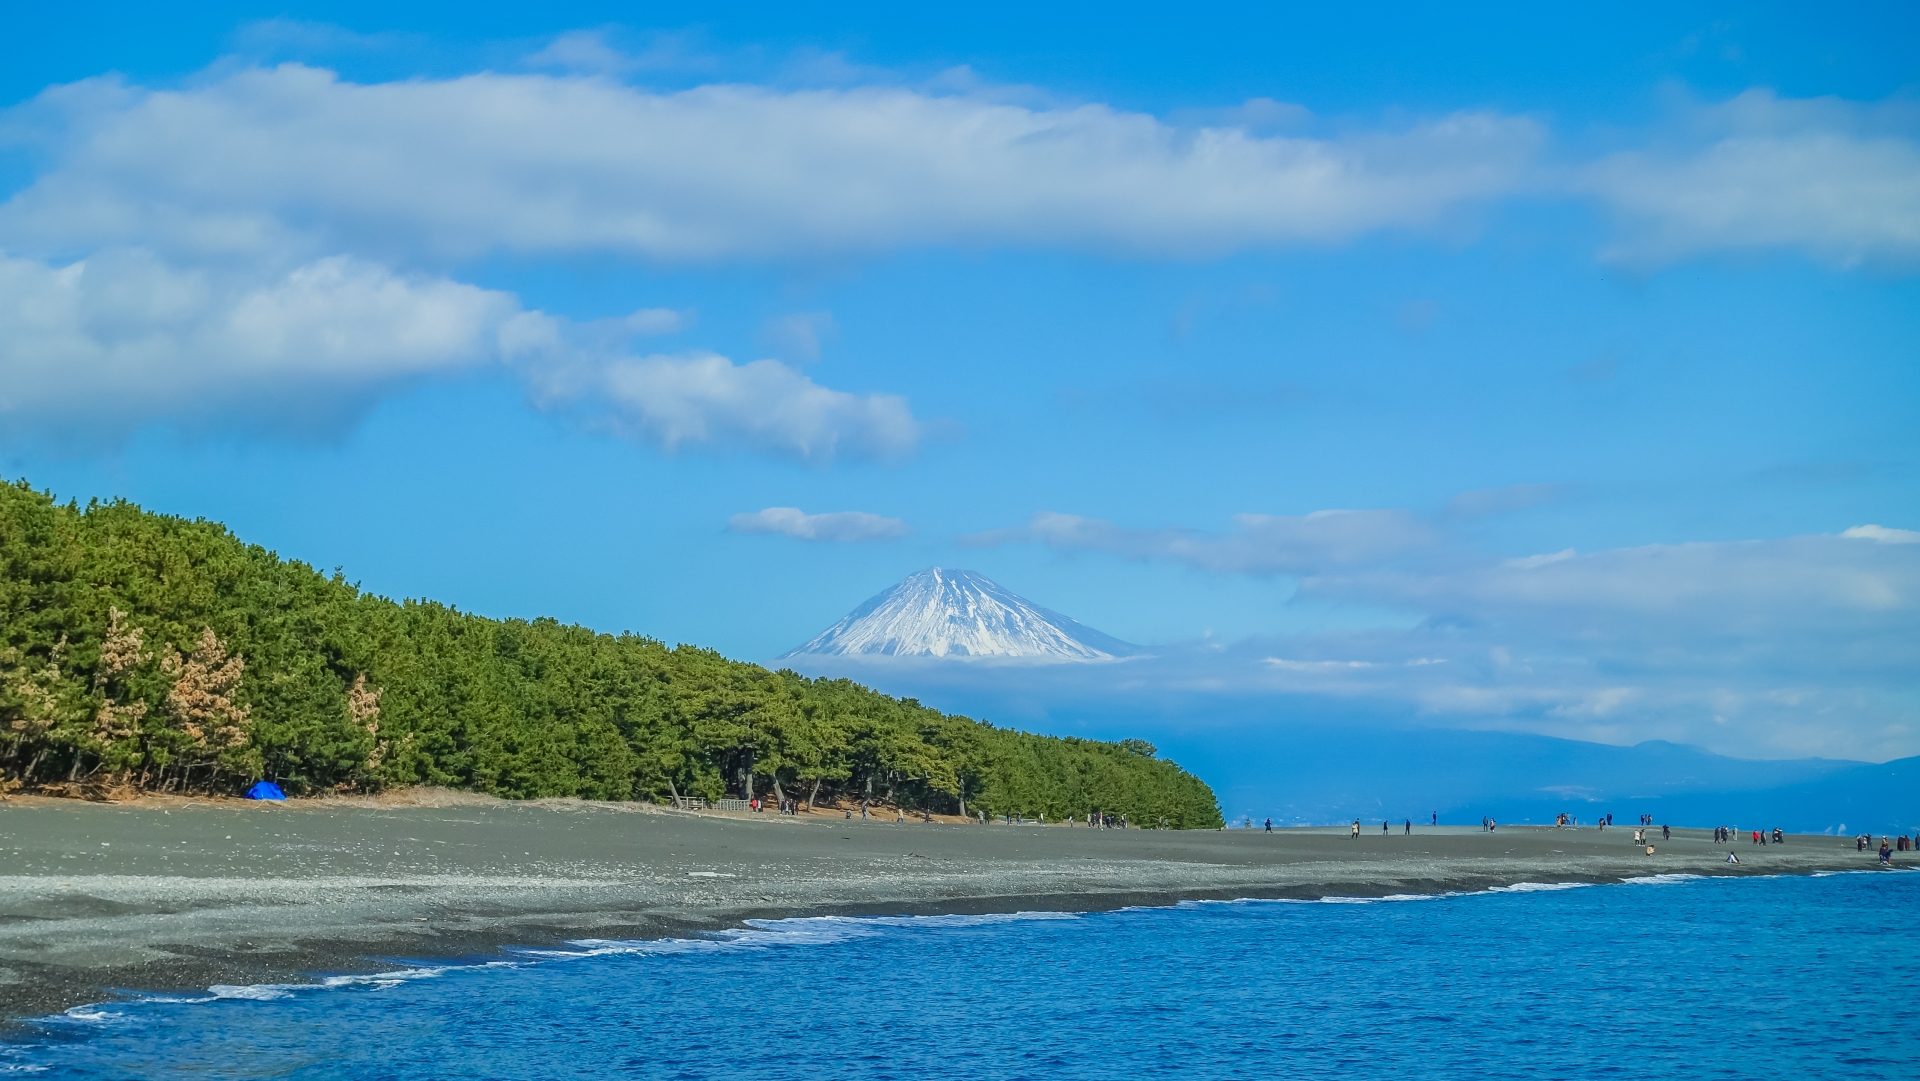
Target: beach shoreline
[172, 895]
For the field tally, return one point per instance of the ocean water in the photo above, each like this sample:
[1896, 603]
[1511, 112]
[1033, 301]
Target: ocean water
[1669, 977]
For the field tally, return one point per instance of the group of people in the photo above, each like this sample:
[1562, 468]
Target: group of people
[1723, 835]
[1386, 827]
[1487, 824]
[1888, 846]
[784, 806]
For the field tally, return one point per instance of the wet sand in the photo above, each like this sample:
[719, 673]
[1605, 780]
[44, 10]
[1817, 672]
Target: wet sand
[164, 895]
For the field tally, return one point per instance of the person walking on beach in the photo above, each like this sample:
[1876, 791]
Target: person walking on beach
[1886, 853]
[1383, 828]
[1665, 834]
[1409, 827]
[1269, 825]
[1356, 827]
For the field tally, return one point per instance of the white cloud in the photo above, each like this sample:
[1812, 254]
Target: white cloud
[842, 526]
[121, 338]
[291, 163]
[705, 400]
[99, 347]
[292, 158]
[1882, 534]
[1265, 544]
[1837, 180]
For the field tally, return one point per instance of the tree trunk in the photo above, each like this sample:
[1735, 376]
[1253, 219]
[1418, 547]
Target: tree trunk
[963, 799]
[811, 795]
[779, 793]
[35, 764]
[676, 795]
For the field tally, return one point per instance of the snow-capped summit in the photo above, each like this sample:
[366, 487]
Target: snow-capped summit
[943, 613]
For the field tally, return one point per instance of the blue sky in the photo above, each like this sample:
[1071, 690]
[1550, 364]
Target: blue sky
[1598, 334]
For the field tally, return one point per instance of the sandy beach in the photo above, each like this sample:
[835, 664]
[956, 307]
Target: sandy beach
[176, 894]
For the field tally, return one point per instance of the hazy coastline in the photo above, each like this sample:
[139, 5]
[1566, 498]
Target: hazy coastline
[175, 894]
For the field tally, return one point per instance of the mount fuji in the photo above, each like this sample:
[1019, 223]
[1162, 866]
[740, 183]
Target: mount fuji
[948, 613]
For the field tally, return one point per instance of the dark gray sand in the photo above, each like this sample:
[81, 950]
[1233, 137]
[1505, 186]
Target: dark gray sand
[177, 894]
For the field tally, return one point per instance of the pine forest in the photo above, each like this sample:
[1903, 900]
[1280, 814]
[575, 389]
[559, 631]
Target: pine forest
[145, 652]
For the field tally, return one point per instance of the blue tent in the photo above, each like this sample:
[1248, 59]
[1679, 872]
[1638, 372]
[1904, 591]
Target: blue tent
[265, 790]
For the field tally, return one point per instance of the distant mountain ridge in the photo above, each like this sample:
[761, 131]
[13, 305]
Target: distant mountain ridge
[958, 613]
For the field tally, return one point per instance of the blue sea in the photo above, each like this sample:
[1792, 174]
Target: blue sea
[1666, 977]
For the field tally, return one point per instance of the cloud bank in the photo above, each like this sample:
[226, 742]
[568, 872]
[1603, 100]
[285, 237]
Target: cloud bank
[848, 526]
[292, 157]
[1802, 645]
[264, 240]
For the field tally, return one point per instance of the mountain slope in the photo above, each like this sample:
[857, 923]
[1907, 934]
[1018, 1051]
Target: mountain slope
[957, 613]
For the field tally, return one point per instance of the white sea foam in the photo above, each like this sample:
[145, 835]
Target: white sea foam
[268, 992]
[253, 992]
[1537, 887]
[1661, 880]
[792, 931]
